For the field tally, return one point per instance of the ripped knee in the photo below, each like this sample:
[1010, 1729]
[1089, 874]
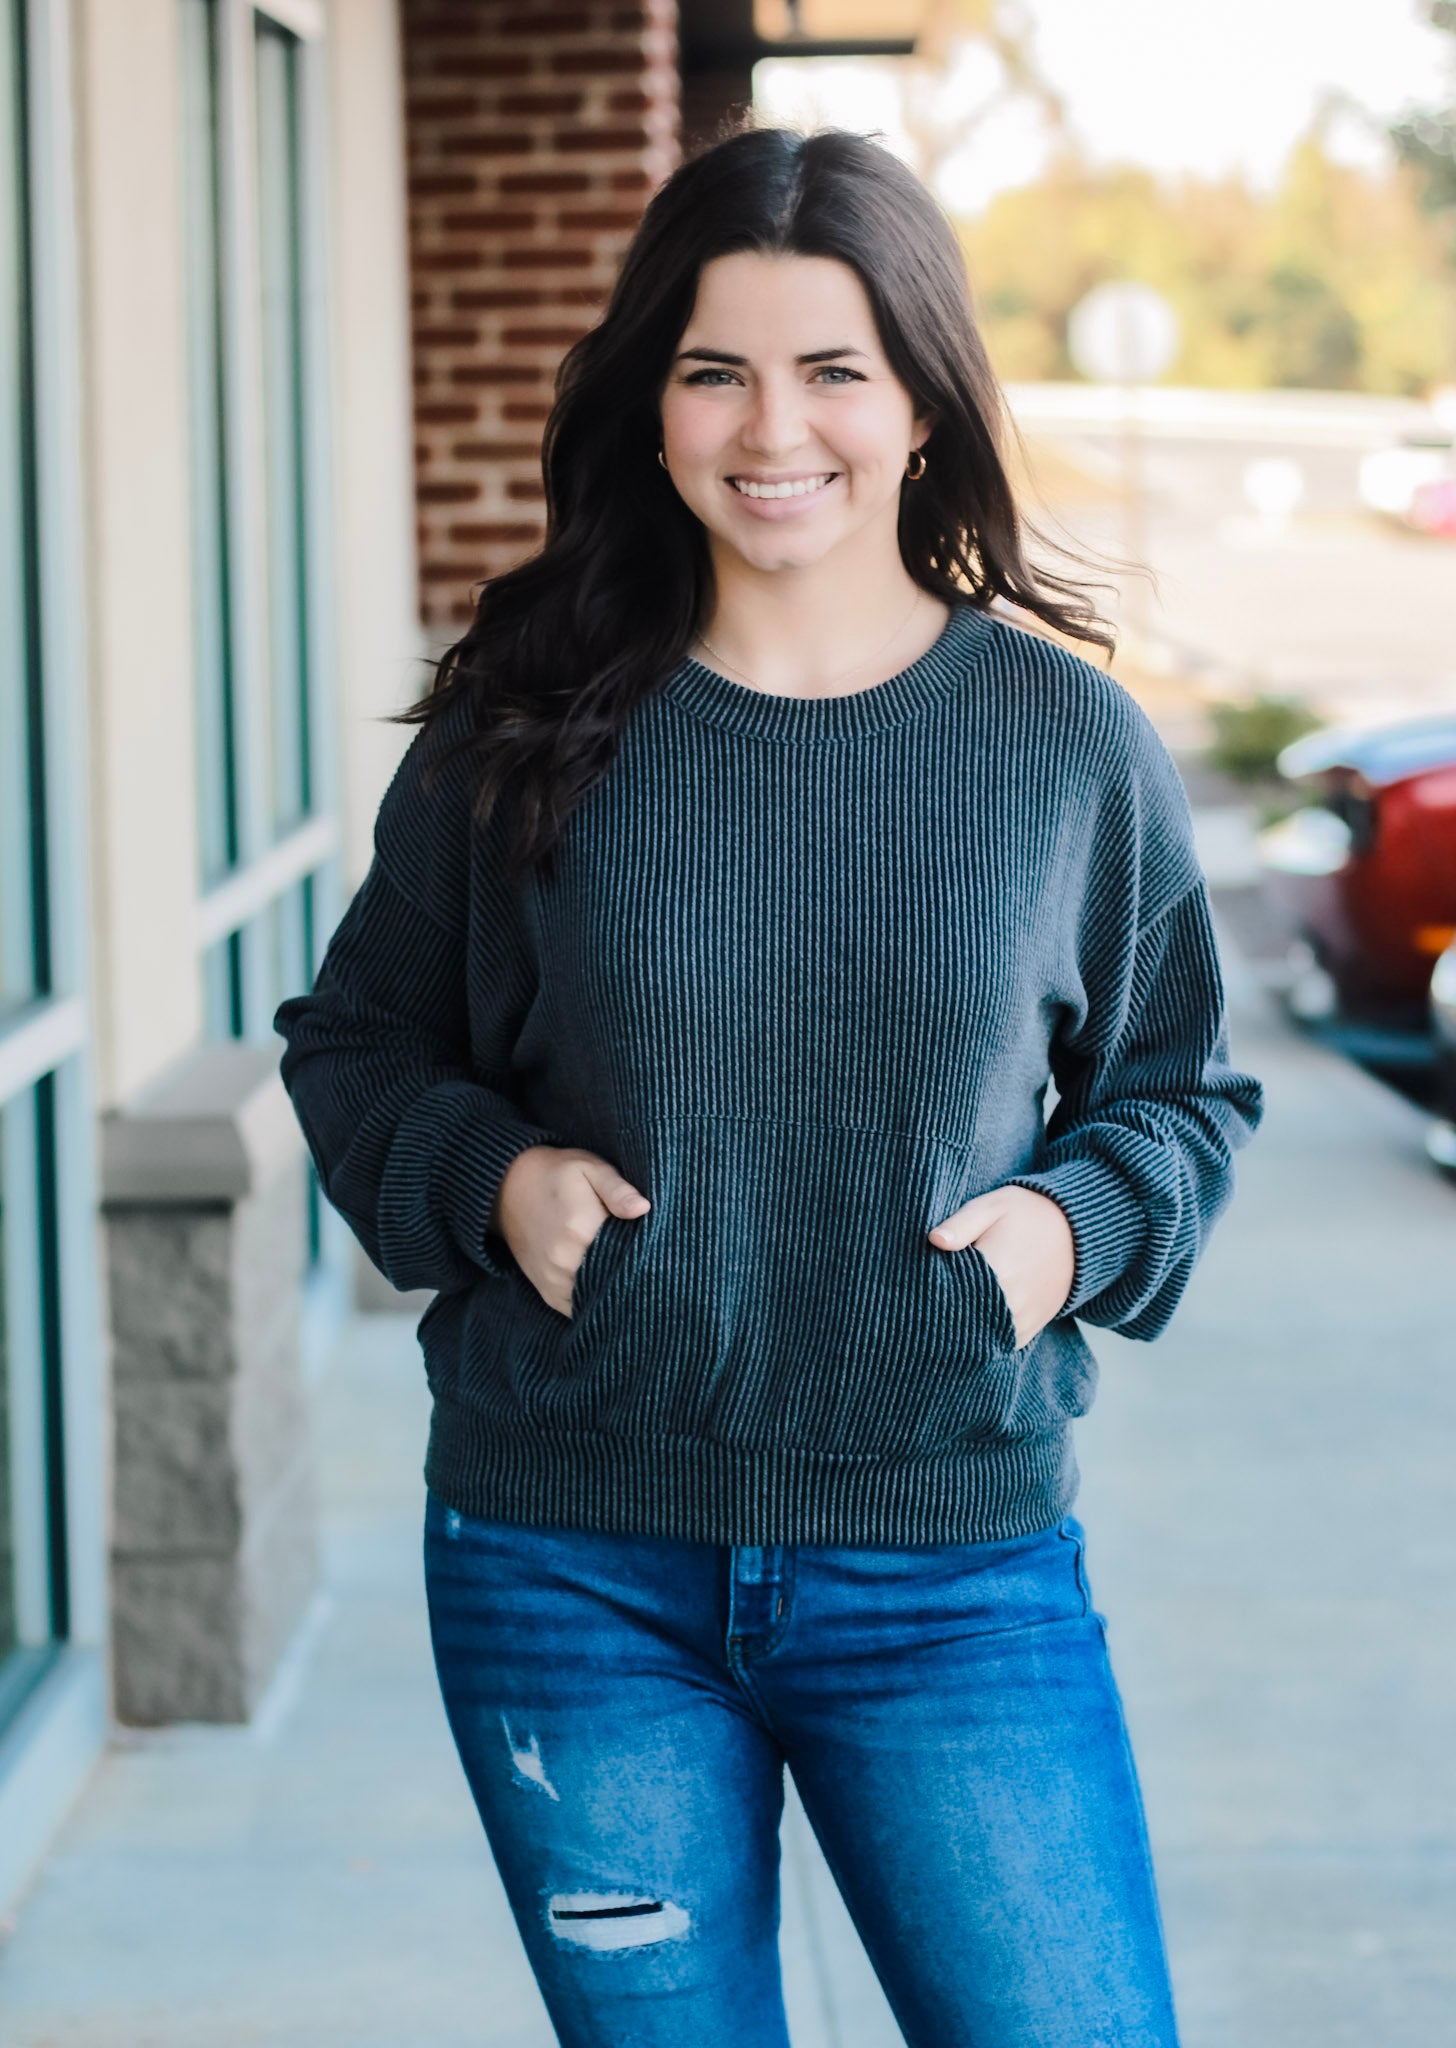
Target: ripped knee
[529, 1765]
[614, 1920]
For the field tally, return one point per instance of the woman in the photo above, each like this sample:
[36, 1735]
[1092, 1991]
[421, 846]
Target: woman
[691, 1035]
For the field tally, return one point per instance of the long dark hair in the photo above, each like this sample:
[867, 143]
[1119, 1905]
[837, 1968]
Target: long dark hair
[565, 644]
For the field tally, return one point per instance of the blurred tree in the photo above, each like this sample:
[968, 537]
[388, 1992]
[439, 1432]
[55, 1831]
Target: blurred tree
[1426, 138]
[1337, 281]
[1248, 733]
[973, 60]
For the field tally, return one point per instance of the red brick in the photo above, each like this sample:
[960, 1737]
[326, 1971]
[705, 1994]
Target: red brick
[595, 61]
[554, 103]
[544, 181]
[569, 21]
[444, 412]
[544, 259]
[456, 107]
[491, 221]
[488, 142]
[493, 529]
[495, 452]
[442, 184]
[541, 337]
[447, 494]
[613, 139]
[613, 217]
[495, 373]
[497, 64]
[448, 259]
[483, 301]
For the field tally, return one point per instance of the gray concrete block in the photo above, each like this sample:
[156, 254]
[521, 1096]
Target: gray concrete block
[176, 1484]
[177, 1640]
[170, 1284]
[214, 1536]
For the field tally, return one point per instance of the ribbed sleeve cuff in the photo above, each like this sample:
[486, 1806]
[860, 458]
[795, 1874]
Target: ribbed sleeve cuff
[470, 1175]
[1106, 1218]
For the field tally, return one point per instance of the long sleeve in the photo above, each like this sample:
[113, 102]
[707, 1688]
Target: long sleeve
[411, 1134]
[1148, 1116]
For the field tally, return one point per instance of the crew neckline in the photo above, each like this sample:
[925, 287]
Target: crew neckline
[710, 695]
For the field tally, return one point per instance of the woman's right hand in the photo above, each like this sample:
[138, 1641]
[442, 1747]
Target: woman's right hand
[550, 1205]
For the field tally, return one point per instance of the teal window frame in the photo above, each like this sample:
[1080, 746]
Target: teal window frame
[34, 1596]
[254, 210]
[54, 1692]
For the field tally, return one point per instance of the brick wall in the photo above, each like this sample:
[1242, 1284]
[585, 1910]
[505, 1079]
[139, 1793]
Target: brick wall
[536, 134]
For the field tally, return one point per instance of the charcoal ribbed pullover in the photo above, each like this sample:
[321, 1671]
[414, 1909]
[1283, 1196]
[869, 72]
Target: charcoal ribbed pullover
[802, 975]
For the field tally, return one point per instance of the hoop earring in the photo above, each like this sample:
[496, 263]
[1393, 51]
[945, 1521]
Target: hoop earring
[916, 474]
[662, 458]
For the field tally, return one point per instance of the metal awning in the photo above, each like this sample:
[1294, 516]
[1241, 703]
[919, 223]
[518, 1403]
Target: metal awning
[715, 34]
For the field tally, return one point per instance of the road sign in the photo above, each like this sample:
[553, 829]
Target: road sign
[1122, 333]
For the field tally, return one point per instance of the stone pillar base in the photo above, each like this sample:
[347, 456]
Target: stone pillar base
[214, 1512]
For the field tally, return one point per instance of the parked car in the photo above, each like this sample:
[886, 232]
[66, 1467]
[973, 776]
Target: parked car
[1362, 878]
[1413, 481]
[1441, 1139]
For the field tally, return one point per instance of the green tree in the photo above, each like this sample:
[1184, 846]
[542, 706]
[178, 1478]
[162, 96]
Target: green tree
[1335, 281]
[1426, 138]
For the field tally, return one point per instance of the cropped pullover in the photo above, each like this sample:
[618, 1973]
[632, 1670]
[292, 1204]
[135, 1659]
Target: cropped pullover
[809, 973]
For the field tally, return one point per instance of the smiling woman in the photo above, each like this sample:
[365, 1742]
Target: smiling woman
[690, 1034]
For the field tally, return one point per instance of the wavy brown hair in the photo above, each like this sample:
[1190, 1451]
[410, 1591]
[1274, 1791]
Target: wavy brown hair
[565, 644]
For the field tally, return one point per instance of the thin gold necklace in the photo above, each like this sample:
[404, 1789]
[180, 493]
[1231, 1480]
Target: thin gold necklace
[843, 672]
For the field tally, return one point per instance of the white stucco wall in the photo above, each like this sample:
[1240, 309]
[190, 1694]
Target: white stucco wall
[379, 635]
[143, 824]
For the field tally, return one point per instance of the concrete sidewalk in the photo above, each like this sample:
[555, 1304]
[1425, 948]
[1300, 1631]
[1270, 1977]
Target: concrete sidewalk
[1266, 1493]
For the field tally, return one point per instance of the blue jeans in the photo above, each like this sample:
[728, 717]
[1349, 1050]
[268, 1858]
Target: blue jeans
[624, 1707]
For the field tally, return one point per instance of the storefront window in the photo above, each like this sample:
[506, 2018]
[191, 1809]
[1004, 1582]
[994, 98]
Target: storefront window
[19, 858]
[31, 1539]
[254, 312]
[281, 285]
[29, 1543]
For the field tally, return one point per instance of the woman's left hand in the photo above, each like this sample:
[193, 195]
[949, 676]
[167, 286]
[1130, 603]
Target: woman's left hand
[1026, 1240]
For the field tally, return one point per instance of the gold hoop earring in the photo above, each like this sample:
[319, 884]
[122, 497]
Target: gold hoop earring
[916, 474]
[662, 458]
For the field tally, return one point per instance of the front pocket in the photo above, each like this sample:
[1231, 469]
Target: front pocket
[782, 1292]
[598, 1259]
[1007, 1320]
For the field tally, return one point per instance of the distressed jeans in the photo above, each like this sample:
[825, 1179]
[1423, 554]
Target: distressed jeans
[624, 1707]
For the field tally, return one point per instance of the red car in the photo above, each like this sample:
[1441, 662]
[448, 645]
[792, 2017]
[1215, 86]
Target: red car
[1364, 876]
